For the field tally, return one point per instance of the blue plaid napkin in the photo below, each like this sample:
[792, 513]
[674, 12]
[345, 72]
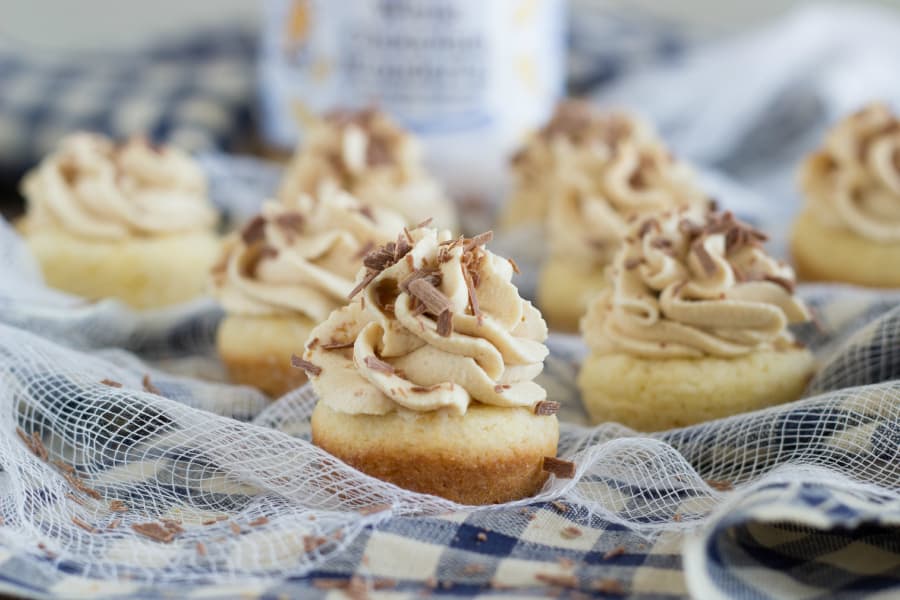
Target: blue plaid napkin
[796, 501]
[196, 92]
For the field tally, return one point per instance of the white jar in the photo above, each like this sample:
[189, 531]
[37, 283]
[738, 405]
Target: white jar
[469, 77]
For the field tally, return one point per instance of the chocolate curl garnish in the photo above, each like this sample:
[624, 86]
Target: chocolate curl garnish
[478, 240]
[311, 369]
[337, 345]
[376, 364]
[366, 280]
[634, 262]
[254, 231]
[154, 531]
[381, 258]
[473, 297]
[291, 222]
[647, 226]
[433, 299]
[445, 323]
[424, 223]
[563, 469]
[784, 282]
[366, 211]
[546, 408]
[706, 261]
[149, 387]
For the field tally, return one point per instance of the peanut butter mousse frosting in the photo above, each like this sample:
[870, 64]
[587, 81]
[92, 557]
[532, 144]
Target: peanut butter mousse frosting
[683, 287]
[853, 182]
[597, 171]
[95, 188]
[435, 324]
[301, 256]
[368, 155]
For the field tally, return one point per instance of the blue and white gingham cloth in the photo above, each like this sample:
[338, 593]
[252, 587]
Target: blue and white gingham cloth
[782, 531]
[196, 92]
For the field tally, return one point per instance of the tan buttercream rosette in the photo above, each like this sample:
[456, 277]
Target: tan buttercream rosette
[590, 172]
[688, 287]
[300, 256]
[367, 154]
[435, 324]
[94, 188]
[853, 182]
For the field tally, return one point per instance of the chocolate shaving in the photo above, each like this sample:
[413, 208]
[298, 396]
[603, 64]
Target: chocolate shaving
[689, 228]
[310, 368]
[117, 506]
[560, 506]
[258, 521]
[784, 282]
[500, 388]
[375, 508]
[432, 298]
[254, 231]
[546, 407]
[634, 262]
[563, 469]
[424, 390]
[646, 226]
[111, 383]
[720, 484]
[366, 249]
[563, 581]
[290, 222]
[172, 525]
[376, 364]
[337, 345]
[365, 281]
[571, 532]
[514, 265]
[154, 531]
[201, 549]
[424, 223]
[478, 240]
[703, 256]
[366, 211]
[473, 297]
[617, 551]
[381, 258]
[445, 323]
[149, 387]
[608, 587]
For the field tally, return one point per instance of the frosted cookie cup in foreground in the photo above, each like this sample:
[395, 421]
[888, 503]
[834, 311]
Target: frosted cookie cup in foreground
[590, 173]
[130, 221]
[426, 378]
[849, 229]
[368, 155]
[283, 274]
[693, 327]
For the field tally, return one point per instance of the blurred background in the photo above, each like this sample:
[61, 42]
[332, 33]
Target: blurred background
[741, 88]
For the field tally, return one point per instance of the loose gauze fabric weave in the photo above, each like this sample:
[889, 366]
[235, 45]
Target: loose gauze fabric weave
[126, 475]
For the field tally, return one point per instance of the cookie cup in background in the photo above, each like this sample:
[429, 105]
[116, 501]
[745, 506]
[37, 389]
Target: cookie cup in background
[693, 327]
[849, 230]
[283, 274]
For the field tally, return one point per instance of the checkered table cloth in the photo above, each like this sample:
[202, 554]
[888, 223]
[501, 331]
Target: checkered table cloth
[814, 515]
[196, 92]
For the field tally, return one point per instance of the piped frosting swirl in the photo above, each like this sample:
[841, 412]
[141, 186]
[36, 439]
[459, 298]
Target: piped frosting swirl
[300, 256]
[437, 324]
[596, 171]
[367, 154]
[853, 182]
[95, 188]
[683, 287]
